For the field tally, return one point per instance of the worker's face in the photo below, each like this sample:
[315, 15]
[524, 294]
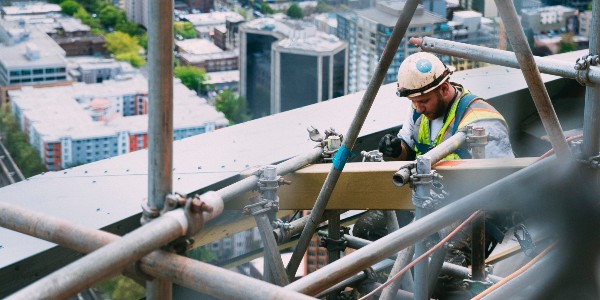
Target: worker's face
[431, 104]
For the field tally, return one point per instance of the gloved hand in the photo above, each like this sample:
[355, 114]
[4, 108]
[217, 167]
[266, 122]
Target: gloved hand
[390, 145]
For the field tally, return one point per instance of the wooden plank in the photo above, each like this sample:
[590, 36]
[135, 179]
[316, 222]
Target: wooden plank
[369, 185]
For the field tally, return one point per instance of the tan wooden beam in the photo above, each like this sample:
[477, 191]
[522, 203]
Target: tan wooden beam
[369, 185]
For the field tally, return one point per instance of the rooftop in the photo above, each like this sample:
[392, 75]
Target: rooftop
[387, 12]
[197, 46]
[30, 8]
[13, 56]
[56, 115]
[213, 18]
[224, 76]
[310, 39]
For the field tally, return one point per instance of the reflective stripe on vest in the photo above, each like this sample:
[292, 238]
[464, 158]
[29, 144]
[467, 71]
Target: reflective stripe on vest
[477, 110]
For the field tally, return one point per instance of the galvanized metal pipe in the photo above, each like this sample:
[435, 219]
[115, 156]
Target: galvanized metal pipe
[591, 115]
[356, 278]
[437, 261]
[477, 146]
[448, 268]
[538, 91]
[498, 195]
[333, 234]
[422, 191]
[295, 227]
[193, 274]
[447, 147]
[160, 118]
[108, 260]
[274, 269]
[501, 57]
[247, 184]
[350, 138]
[402, 260]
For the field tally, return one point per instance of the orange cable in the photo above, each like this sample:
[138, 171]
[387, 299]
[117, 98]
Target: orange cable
[515, 274]
[424, 255]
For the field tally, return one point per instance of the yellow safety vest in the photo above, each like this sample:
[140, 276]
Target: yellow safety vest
[472, 109]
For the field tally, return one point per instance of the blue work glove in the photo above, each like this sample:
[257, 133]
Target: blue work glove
[390, 145]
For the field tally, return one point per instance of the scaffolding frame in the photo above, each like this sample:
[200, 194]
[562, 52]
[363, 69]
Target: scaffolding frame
[159, 268]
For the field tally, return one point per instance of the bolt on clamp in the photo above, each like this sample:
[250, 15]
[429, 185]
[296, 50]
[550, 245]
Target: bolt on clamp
[582, 65]
[372, 156]
[331, 142]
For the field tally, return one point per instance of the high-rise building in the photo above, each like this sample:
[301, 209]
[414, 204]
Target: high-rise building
[470, 27]
[368, 31]
[289, 64]
[546, 19]
[137, 11]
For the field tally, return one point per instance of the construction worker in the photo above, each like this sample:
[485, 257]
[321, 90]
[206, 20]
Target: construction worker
[439, 109]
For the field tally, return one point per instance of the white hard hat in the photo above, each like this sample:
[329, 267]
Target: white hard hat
[421, 73]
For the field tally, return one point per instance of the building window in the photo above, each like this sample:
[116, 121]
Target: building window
[50, 70]
[38, 71]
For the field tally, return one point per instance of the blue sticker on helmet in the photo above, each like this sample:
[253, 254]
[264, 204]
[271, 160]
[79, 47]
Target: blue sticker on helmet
[424, 65]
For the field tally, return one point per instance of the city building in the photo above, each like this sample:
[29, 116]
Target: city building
[204, 6]
[137, 11]
[220, 37]
[470, 27]
[232, 25]
[547, 20]
[202, 53]
[19, 10]
[326, 22]
[28, 56]
[206, 22]
[83, 123]
[289, 64]
[585, 20]
[97, 69]
[368, 30]
[226, 80]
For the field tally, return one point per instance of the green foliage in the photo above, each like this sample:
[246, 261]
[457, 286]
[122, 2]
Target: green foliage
[120, 42]
[124, 47]
[567, 44]
[110, 16]
[121, 288]
[242, 12]
[184, 29]
[202, 254]
[130, 28]
[87, 19]
[265, 8]
[70, 7]
[134, 58]
[193, 78]
[24, 155]
[295, 12]
[232, 106]
[143, 40]
[323, 7]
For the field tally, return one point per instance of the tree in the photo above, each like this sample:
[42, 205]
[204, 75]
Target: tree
[120, 42]
[134, 58]
[232, 106]
[567, 44]
[193, 78]
[87, 19]
[295, 12]
[24, 155]
[110, 16]
[184, 29]
[124, 47]
[265, 8]
[323, 7]
[70, 7]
